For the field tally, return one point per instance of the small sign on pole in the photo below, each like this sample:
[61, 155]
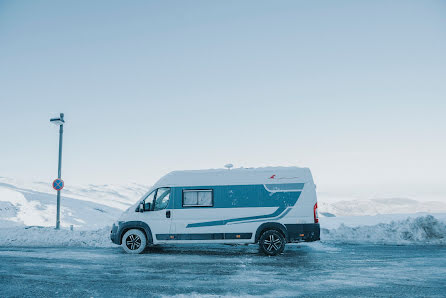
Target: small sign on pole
[58, 184]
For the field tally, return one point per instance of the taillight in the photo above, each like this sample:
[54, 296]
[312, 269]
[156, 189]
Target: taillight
[316, 215]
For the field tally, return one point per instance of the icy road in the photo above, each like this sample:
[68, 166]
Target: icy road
[317, 269]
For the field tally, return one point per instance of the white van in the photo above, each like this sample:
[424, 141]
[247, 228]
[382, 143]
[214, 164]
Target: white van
[269, 206]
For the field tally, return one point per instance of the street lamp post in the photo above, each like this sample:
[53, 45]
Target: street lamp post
[59, 121]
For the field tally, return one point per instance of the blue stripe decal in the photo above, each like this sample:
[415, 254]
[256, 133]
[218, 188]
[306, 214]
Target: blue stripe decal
[281, 216]
[223, 222]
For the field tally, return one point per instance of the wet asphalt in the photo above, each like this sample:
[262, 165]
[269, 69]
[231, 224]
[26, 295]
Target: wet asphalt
[311, 270]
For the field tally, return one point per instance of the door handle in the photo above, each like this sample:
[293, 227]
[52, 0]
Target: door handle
[168, 214]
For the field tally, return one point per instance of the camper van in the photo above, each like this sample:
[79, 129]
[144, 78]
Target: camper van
[269, 206]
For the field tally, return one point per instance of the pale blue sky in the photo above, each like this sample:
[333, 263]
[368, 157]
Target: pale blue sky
[355, 90]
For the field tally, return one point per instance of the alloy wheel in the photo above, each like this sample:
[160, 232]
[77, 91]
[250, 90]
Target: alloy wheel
[272, 243]
[133, 242]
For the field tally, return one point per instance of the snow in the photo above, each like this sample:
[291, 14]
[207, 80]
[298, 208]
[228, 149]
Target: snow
[46, 236]
[402, 230]
[116, 196]
[18, 209]
[27, 215]
[87, 207]
[412, 229]
[239, 176]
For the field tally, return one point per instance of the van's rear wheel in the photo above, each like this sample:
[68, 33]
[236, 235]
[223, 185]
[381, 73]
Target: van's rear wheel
[272, 243]
[134, 241]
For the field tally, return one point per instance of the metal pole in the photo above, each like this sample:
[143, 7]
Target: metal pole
[59, 172]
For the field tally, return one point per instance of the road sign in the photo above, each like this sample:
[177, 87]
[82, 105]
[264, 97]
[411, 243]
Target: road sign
[58, 184]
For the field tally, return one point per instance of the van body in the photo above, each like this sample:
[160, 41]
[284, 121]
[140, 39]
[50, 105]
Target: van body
[270, 206]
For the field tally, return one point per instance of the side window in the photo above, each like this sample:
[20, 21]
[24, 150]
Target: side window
[162, 198]
[198, 198]
[148, 201]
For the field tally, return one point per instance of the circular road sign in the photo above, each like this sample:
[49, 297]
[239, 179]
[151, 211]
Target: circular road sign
[58, 184]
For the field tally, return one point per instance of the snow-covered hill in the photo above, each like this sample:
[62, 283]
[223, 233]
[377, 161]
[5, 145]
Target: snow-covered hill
[95, 206]
[86, 207]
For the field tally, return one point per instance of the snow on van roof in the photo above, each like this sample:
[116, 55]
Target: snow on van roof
[239, 176]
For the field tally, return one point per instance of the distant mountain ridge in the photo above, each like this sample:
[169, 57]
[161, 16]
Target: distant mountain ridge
[380, 206]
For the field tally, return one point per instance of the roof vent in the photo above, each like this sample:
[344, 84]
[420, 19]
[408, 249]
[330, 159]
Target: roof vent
[229, 166]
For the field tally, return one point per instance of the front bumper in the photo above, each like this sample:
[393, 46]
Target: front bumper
[114, 235]
[303, 232]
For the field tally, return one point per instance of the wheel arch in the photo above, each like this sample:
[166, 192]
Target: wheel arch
[128, 225]
[271, 226]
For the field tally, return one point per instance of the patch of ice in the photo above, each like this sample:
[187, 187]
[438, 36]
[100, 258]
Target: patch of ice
[321, 246]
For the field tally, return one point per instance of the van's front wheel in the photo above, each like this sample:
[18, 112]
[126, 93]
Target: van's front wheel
[272, 243]
[134, 241]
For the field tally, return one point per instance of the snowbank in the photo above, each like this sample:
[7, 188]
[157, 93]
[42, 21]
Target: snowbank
[426, 230]
[44, 236]
[419, 230]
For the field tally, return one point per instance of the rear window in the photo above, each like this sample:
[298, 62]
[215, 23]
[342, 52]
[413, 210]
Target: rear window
[198, 198]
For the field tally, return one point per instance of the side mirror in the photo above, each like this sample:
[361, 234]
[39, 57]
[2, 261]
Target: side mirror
[141, 207]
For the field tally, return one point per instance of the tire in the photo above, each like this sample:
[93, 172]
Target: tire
[134, 241]
[272, 243]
